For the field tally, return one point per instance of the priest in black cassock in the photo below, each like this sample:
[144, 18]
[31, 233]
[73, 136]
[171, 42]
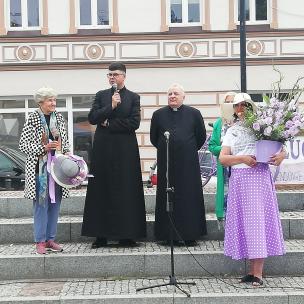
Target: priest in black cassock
[115, 205]
[187, 134]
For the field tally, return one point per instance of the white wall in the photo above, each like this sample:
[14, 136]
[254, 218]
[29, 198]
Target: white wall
[219, 15]
[59, 16]
[261, 77]
[139, 16]
[152, 80]
[290, 14]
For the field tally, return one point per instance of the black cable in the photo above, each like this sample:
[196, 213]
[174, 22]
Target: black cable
[216, 277]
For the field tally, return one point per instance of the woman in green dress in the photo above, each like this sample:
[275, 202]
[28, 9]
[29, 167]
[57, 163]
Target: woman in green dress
[215, 145]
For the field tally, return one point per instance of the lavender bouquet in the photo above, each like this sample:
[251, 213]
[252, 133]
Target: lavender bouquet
[279, 118]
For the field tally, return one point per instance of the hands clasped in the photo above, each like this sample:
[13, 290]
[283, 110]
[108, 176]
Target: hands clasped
[53, 145]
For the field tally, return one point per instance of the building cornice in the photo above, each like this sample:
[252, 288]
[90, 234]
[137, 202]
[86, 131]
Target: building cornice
[144, 65]
[149, 36]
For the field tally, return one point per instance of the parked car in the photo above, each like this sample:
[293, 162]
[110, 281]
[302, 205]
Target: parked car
[12, 169]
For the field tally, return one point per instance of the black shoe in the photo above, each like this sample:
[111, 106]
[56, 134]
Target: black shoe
[127, 243]
[248, 278]
[257, 282]
[191, 243]
[99, 242]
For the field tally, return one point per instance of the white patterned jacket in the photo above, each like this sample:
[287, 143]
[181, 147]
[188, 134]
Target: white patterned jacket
[31, 144]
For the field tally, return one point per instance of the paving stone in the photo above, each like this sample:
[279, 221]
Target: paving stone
[279, 290]
[19, 261]
[20, 230]
[13, 204]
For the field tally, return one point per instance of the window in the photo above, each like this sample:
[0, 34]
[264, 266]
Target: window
[256, 11]
[94, 13]
[184, 12]
[24, 14]
[11, 125]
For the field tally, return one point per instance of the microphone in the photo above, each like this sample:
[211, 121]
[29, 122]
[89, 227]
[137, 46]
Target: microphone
[167, 134]
[114, 86]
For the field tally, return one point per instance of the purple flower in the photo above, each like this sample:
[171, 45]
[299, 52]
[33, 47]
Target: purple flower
[293, 131]
[268, 120]
[278, 115]
[286, 134]
[267, 131]
[256, 126]
[289, 124]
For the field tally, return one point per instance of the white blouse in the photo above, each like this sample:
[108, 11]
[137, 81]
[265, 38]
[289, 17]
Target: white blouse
[241, 141]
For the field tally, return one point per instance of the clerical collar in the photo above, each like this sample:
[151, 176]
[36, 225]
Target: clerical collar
[176, 109]
[119, 90]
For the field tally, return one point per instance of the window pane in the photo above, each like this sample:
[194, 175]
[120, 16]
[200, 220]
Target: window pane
[102, 12]
[80, 102]
[247, 12]
[33, 12]
[6, 165]
[176, 11]
[11, 104]
[15, 13]
[85, 12]
[83, 133]
[60, 103]
[256, 97]
[261, 9]
[11, 125]
[194, 11]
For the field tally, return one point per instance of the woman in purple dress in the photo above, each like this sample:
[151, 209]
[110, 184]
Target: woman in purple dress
[253, 228]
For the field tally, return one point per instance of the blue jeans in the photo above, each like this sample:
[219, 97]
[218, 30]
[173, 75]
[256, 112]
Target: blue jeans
[46, 217]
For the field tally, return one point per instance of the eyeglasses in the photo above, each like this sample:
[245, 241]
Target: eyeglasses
[114, 74]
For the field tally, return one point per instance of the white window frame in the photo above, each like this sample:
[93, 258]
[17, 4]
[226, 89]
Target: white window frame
[184, 14]
[24, 17]
[252, 10]
[94, 24]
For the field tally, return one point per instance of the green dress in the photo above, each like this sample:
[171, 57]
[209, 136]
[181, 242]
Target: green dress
[215, 148]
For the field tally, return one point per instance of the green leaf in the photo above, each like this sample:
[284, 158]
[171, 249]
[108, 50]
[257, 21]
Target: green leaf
[266, 99]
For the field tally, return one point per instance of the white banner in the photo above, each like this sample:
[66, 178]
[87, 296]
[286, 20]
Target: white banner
[291, 170]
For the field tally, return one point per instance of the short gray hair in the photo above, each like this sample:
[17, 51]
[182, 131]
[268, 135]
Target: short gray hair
[230, 93]
[178, 86]
[44, 93]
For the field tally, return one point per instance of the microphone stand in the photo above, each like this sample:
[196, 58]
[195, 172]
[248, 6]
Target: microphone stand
[169, 209]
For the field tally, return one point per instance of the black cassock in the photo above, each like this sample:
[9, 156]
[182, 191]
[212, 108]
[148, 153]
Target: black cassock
[115, 205]
[187, 135]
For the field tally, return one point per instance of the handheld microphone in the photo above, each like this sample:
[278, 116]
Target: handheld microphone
[167, 134]
[114, 86]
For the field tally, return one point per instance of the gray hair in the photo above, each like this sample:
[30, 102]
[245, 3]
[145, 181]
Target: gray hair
[231, 93]
[178, 86]
[44, 93]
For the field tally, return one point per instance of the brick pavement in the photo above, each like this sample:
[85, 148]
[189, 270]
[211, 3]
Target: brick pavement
[116, 286]
[144, 247]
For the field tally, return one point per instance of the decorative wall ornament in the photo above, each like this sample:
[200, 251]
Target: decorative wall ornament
[185, 49]
[254, 47]
[24, 53]
[94, 51]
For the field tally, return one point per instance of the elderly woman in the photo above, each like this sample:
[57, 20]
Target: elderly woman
[220, 128]
[253, 229]
[43, 133]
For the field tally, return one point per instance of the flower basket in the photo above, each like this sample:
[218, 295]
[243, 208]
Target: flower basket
[265, 149]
